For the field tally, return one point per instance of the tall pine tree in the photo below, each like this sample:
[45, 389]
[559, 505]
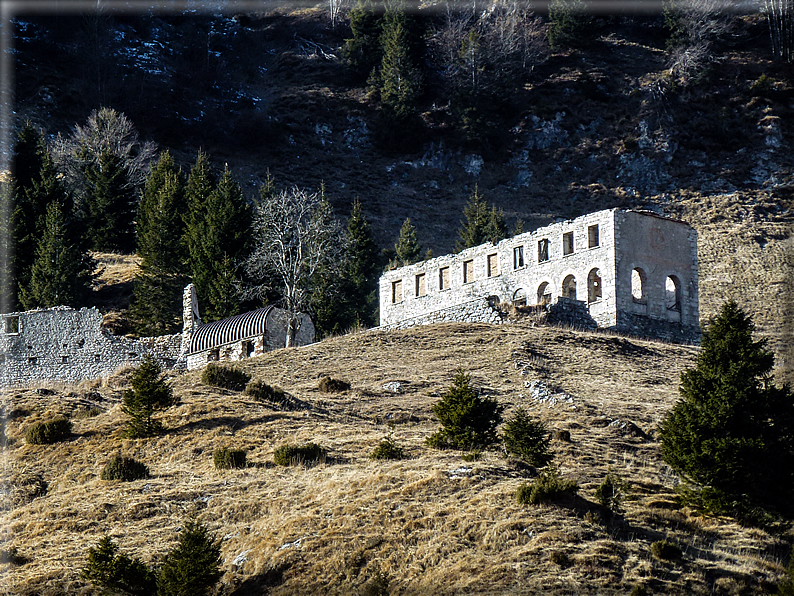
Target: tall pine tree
[731, 434]
[109, 204]
[157, 306]
[399, 77]
[362, 51]
[482, 224]
[61, 273]
[408, 248]
[218, 238]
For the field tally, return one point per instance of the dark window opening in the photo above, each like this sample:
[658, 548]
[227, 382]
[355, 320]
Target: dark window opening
[11, 324]
[543, 250]
[421, 286]
[468, 271]
[443, 278]
[592, 236]
[567, 243]
[518, 257]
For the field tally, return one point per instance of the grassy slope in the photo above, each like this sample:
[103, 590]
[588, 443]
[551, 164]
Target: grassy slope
[329, 528]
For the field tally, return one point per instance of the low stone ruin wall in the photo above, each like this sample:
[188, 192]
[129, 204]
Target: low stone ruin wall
[479, 310]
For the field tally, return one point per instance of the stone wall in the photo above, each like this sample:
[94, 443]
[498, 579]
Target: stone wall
[64, 344]
[592, 261]
[479, 310]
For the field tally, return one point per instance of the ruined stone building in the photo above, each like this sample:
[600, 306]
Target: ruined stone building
[66, 344]
[631, 271]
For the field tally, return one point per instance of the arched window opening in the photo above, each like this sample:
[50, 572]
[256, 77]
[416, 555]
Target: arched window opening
[569, 287]
[638, 285]
[544, 293]
[594, 285]
[520, 297]
[672, 293]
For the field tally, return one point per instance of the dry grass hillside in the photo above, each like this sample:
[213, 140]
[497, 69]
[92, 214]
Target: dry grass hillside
[432, 523]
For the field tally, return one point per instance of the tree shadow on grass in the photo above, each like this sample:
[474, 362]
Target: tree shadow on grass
[259, 584]
[234, 422]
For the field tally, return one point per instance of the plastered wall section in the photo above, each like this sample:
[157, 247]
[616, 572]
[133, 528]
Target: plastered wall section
[64, 344]
[274, 338]
[664, 253]
[401, 290]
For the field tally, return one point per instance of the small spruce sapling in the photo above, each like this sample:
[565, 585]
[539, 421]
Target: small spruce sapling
[527, 439]
[116, 572]
[149, 394]
[467, 420]
[192, 567]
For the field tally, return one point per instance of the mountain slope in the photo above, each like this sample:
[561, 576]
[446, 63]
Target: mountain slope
[433, 523]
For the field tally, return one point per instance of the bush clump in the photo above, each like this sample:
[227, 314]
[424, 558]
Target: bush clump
[261, 391]
[330, 385]
[46, 433]
[527, 439]
[546, 488]
[125, 469]
[468, 421]
[116, 572]
[665, 550]
[611, 492]
[228, 459]
[387, 449]
[293, 455]
[225, 377]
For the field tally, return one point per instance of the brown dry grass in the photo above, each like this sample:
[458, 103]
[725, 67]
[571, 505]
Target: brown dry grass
[431, 526]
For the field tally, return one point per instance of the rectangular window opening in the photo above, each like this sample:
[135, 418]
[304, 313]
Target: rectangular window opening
[32, 360]
[493, 265]
[396, 291]
[518, 257]
[468, 271]
[64, 359]
[443, 278]
[11, 324]
[214, 355]
[543, 250]
[567, 243]
[421, 286]
[592, 236]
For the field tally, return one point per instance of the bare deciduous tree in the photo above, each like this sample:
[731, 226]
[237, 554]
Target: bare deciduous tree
[780, 16]
[295, 237]
[694, 27]
[106, 131]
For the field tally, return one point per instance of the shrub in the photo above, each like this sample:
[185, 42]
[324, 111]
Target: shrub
[329, 385]
[665, 550]
[467, 420]
[611, 492]
[570, 24]
[763, 86]
[564, 436]
[547, 487]
[227, 459]
[387, 449]
[149, 393]
[527, 439]
[378, 585]
[473, 455]
[261, 391]
[112, 571]
[225, 377]
[125, 469]
[292, 455]
[46, 433]
[786, 586]
[193, 567]
[11, 555]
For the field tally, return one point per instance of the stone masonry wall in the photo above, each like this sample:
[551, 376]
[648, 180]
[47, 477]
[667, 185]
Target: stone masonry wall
[510, 279]
[64, 344]
[592, 260]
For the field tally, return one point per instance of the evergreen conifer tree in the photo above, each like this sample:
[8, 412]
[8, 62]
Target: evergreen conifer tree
[468, 421]
[362, 51]
[399, 78]
[149, 394]
[157, 307]
[361, 268]
[218, 237]
[193, 567]
[113, 571]
[29, 151]
[408, 249]
[61, 273]
[732, 432]
[109, 204]
[473, 231]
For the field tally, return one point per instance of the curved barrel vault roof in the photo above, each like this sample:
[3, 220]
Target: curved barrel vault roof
[225, 331]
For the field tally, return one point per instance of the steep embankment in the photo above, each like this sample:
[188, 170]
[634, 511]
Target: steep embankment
[433, 523]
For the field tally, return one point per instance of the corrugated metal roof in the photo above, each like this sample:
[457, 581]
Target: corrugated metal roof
[225, 331]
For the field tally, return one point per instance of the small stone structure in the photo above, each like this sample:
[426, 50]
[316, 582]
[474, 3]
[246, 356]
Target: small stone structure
[631, 271]
[66, 344]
